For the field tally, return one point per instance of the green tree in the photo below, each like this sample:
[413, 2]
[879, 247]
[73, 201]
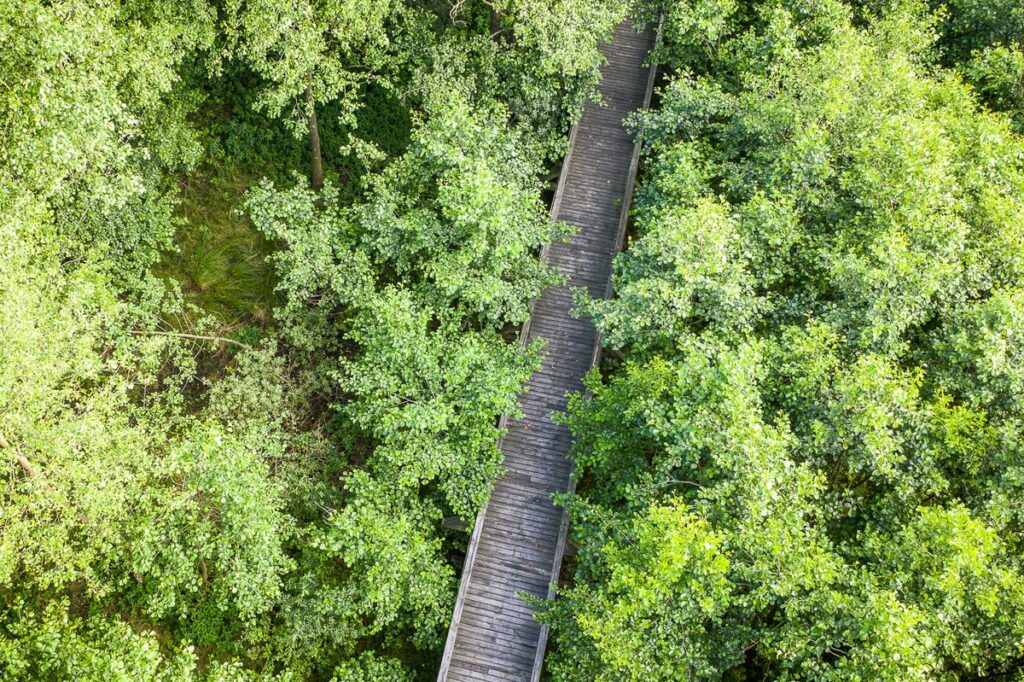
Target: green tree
[183, 506]
[94, 120]
[313, 52]
[985, 41]
[119, 502]
[801, 467]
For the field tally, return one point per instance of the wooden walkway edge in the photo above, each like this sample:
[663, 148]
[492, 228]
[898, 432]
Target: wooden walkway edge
[519, 536]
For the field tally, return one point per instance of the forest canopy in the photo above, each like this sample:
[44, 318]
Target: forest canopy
[254, 325]
[802, 457]
[263, 267]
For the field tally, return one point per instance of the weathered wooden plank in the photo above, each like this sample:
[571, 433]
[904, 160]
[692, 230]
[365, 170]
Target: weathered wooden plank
[506, 545]
[539, 440]
[494, 603]
[508, 529]
[520, 447]
[518, 538]
[522, 523]
[530, 486]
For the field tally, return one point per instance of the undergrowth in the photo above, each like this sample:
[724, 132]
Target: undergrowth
[220, 259]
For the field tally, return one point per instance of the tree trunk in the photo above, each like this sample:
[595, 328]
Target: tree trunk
[495, 23]
[317, 173]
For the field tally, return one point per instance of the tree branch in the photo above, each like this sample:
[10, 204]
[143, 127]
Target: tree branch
[26, 465]
[198, 337]
[22, 459]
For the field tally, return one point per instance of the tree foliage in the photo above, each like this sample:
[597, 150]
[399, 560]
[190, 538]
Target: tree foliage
[190, 497]
[985, 40]
[94, 120]
[803, 466]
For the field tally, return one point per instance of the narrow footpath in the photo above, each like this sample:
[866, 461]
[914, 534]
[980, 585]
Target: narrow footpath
[519, 537]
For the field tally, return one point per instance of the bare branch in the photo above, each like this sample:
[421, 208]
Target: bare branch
[199, 337]
[21, 459]
[26, 465]
[457, 6]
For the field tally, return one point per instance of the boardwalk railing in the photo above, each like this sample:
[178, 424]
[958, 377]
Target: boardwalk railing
[519, 536]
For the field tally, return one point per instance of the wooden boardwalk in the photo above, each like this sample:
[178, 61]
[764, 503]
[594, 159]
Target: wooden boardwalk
[517, 542]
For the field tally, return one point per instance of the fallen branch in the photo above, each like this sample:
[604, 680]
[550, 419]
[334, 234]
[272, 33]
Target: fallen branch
[26, 465]
[22, 459]
[198, 337]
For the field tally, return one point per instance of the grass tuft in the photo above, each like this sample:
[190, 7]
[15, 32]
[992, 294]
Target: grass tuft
[220, 259]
